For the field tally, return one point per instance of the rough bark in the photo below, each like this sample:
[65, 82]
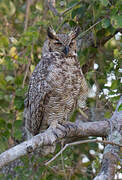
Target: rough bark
[54, 134]
[111, 152]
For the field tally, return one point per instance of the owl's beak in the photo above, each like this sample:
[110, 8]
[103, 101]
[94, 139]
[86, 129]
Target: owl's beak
[66, 50]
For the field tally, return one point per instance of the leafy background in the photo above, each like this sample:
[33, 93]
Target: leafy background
[22, 34]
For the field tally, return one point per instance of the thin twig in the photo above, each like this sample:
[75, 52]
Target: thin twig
[29, 3]
[68, 9]
[62, 160]
[91, 27]
[80, 142]
[26, 72]
[107, 38]
[27, 15]
[27, 67]
[56, 13]
[25, 29]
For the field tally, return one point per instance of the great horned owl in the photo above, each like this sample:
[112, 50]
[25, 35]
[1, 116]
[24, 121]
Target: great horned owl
[57, 85]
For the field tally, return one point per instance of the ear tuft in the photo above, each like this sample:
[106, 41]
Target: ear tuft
[74, 33]
[51, 33]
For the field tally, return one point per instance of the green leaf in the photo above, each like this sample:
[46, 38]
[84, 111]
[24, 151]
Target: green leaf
[3, 83]
[120, 107]
[2, 123]
[105, 23]
[9, 126]
[116, 21]
[79, 11]
[10, 88]
[18, 123]
[72, 23]
[12, 8]
[9, 63]
[2, 95]
[21, 92]
[3, 41]
[28, 37]
[114, 84]
[70, 4]
[115, 98]
[7, 8]
[74, 13]
[114, 10]
[17, 134]
[6, 133]
[19, 103]
[104, 2]
[107, 114]
[19, 79]
[39, 6]
[9, 78]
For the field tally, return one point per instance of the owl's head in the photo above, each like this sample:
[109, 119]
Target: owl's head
[62, 43]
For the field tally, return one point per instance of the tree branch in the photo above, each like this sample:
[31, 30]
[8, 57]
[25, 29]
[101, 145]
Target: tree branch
[77, 129]
[107, 38]
[56, 13]
[111, 152]
[27, 14]
[80, 142]
[91, 27]
[68, 9]
[52, 135]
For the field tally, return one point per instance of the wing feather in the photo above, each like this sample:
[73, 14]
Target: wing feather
[38, 91]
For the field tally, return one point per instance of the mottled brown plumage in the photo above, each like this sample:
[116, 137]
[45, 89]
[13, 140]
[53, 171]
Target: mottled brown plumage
[57, 85]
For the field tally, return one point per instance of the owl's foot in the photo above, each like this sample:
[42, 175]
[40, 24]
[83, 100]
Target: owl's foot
[57, 128]
[64, 127]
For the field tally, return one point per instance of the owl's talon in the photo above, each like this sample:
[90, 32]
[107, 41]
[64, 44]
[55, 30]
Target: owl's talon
[62, 128]
[73, 126]
[55, 134]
